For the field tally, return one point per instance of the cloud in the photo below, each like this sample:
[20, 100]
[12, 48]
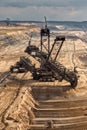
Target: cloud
[37, 9]
[37, 3]
[78, 3]
[43, 3]
[34, 13]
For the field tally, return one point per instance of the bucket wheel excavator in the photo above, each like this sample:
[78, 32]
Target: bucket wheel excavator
[50, 69]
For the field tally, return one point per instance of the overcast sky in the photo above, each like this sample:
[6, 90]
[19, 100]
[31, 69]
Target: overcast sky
[60, 10]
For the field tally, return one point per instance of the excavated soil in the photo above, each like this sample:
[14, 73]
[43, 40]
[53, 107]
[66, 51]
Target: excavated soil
[26, 104]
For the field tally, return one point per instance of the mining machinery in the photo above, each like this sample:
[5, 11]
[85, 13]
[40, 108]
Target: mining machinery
[50, 69]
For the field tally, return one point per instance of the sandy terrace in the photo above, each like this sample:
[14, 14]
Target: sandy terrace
[19, 94]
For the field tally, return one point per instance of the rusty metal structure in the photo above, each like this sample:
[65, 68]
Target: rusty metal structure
[50, 69]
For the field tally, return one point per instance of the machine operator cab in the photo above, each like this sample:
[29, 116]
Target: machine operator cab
[45, 32]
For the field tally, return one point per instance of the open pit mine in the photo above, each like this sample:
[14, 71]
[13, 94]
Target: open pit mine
[43, 79]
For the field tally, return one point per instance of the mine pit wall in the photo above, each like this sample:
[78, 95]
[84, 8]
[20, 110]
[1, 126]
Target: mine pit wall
[50, 92]
[34, 106]
[54, 105]
[18, 114]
